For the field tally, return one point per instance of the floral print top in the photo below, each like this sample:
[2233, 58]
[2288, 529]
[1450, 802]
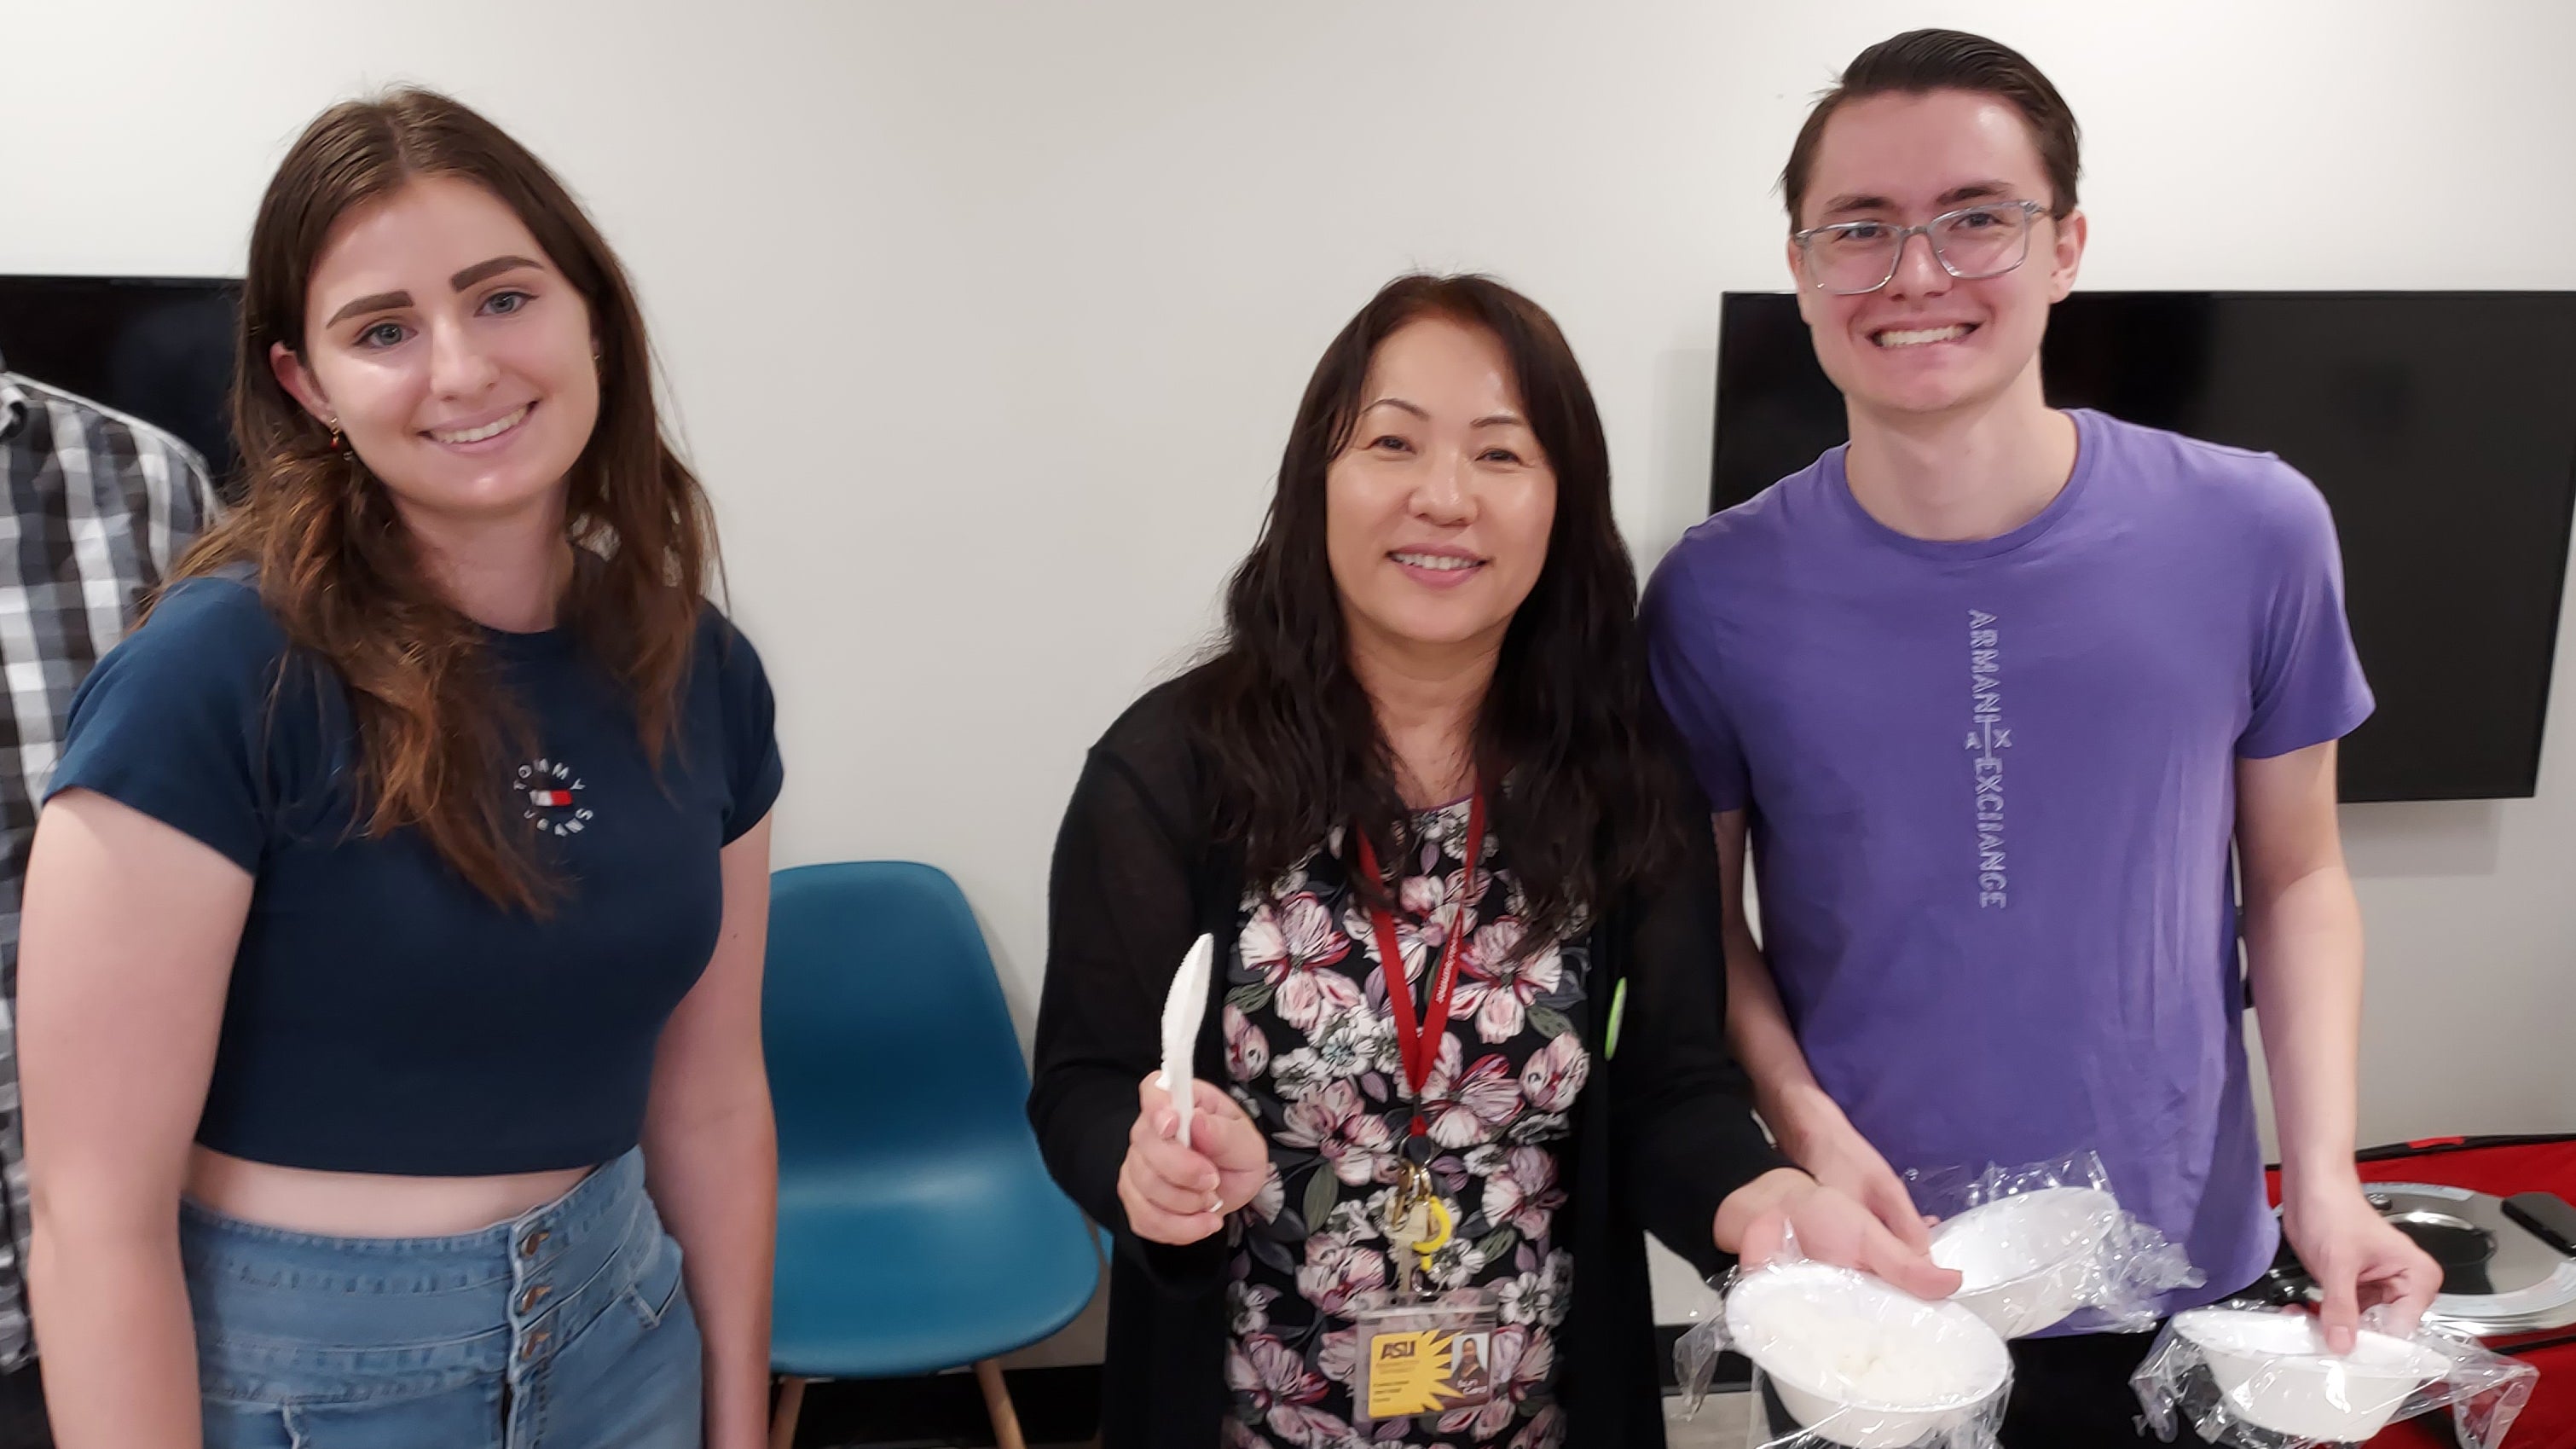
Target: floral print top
[1311, 1054]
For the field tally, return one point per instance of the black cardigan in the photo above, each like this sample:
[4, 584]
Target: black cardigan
[1137, 878]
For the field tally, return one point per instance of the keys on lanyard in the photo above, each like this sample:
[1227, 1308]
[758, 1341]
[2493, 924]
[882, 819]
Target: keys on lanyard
[1418, 1222]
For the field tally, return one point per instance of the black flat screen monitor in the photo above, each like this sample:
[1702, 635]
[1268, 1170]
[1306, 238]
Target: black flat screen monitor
[2441, 427]
[159, 348]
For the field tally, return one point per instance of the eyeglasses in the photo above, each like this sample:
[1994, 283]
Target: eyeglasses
[1849, 258]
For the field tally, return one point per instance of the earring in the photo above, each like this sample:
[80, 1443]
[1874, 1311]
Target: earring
[335, 435]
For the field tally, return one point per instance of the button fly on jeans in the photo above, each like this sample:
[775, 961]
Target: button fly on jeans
[528, 1245]
[535, 1341]
[536, 1294]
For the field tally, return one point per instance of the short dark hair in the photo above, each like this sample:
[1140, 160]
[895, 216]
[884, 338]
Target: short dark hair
[1920, 62]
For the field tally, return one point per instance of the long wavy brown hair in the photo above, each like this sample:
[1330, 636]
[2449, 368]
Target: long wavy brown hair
[338, 569]
[1570, 725]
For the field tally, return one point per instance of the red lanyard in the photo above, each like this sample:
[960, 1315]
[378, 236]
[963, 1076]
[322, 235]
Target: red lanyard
[1419, 1044]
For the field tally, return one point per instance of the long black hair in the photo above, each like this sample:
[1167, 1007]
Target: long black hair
[1570, 727]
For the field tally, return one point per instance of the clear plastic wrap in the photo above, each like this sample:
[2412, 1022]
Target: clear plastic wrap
[2250, 1376]
[1844, 1361]
[2049, 1243]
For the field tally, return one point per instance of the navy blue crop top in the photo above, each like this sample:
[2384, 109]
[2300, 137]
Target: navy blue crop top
[384, 1015]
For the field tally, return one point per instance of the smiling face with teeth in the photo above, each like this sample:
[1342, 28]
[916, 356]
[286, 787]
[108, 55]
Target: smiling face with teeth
[454, 356]
[1928, 342]
[1437, 511]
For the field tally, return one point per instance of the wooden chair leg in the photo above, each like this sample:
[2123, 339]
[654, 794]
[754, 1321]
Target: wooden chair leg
[782, 1419]
[997, 1402]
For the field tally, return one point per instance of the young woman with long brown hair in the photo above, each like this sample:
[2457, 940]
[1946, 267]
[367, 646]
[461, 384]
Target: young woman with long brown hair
[391, 965]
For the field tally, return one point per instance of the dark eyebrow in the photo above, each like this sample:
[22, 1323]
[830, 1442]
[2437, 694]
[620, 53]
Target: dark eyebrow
[1499, 420]
[1397, 402]
[380, 302]
[1856, 203]
[1955, 196]
[493, 268]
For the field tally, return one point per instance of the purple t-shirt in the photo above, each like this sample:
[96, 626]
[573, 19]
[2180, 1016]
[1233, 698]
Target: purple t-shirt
[1992, 788]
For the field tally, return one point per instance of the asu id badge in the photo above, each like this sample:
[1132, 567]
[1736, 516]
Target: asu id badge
[1425, 1357]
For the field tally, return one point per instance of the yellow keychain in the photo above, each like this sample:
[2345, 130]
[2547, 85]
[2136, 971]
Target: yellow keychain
[1418, 1224]
[1442, 1223]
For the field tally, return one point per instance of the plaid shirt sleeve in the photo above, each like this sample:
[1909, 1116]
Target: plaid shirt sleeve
[98, 507]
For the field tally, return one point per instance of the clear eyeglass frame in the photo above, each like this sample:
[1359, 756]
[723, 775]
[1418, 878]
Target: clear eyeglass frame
[1930, 231]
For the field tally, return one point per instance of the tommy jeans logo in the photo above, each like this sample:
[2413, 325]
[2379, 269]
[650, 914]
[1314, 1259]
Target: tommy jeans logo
[1987, 737]
[549, 795]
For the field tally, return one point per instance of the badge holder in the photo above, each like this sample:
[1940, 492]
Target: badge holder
[1420, 1354]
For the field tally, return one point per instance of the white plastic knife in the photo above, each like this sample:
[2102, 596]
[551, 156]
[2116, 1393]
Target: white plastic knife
[1183, 1010]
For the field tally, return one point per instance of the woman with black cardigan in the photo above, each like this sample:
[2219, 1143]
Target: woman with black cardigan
[1408, 1210]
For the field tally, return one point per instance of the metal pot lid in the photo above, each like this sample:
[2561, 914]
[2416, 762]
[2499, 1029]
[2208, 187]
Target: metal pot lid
[2497, 1275]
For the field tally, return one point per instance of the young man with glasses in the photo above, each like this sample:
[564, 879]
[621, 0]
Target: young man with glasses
[1993, 690]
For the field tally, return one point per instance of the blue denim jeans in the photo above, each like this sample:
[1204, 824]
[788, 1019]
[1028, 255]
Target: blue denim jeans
[565, 1328]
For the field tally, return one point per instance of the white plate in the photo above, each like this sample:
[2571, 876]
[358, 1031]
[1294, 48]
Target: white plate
[1859, 1363]
[2027, 1260]
[2275, 1372]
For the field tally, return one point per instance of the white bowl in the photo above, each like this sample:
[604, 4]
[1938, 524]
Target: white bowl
[2275, 1372]
[2027, 1259]
[1859, 1363]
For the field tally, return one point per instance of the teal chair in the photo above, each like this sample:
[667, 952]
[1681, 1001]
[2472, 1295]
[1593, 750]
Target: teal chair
[918, 1230]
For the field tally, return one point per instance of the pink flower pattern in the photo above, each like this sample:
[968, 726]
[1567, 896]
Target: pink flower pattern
[1334, 1274]
[1293, 945]
[1555, 1074]
[1497, 986]
[1310, 1050]
[1272, 1197]
[1336, 1124]
[1249, 1307]
[1465, 1108]
[1247, 1051]
[1278, 1382]
[1524, 1194]
[1426, 897]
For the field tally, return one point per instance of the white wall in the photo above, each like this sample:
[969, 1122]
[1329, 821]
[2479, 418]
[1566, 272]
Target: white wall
[986, 320]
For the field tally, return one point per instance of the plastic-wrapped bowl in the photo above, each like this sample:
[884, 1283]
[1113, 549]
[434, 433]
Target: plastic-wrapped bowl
[1859, 1363]
[2026, 1260]
[2275, 1373]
